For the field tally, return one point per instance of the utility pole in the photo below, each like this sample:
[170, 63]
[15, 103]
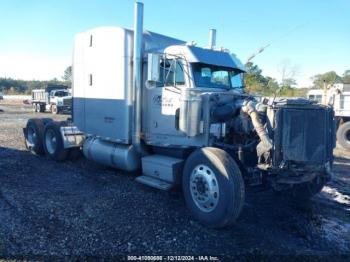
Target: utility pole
[324, 97]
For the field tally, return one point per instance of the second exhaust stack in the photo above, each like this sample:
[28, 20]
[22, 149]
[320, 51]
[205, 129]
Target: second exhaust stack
[212, 38]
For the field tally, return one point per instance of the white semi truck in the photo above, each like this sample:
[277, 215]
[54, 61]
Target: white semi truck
[178, 114]
[337, 96]
[54, 98]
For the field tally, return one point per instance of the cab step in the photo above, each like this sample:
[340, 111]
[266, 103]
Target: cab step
[154, 182]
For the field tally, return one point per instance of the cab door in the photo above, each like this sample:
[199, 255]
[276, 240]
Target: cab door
[163, 103]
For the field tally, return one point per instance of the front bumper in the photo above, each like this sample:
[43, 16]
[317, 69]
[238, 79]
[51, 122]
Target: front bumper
[292, 175]
[64, 108]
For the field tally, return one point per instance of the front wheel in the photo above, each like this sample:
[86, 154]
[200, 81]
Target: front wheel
[213, 187]
[54, 109]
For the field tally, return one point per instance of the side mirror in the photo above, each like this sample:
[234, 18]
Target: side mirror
[153, 67]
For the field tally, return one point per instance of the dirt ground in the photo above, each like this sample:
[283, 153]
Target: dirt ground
[82, 208]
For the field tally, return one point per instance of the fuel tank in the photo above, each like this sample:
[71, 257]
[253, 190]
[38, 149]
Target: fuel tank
[123, 157]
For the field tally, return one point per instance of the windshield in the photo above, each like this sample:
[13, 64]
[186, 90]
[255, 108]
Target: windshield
[211, 76]
[61, 93]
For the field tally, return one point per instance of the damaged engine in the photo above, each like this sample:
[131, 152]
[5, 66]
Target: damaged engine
[283, 141]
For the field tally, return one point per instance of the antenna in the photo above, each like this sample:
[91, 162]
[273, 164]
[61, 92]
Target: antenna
[261, 49]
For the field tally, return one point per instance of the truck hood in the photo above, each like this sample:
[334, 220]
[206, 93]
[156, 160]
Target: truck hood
[64, 98]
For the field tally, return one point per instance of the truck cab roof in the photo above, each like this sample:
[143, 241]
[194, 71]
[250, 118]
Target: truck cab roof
[194, 54]
[153, 42]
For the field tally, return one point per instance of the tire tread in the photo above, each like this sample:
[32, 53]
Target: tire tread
[341, 135]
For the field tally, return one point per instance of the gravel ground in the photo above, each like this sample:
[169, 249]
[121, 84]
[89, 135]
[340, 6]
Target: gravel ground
[81, 208]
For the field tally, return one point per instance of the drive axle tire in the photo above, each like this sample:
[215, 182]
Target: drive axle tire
[213, 187]
[75, 153]
[33, 135]
[53, 142]
[343, 135]
[46, 120]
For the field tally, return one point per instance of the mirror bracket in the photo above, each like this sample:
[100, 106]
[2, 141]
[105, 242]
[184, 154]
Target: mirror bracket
[153, 67]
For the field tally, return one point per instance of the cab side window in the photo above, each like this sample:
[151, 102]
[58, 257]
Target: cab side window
[171, 73]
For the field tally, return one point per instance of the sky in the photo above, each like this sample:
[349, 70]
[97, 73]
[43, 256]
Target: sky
[307, 37]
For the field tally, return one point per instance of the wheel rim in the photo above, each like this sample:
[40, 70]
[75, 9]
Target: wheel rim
[204, 188]
[347, 136]
[31, 136]
[51, 141]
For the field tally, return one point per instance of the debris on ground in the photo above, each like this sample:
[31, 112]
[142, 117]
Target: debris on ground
[81, 208]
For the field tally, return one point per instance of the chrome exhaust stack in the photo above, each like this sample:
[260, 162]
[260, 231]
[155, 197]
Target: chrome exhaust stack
[137, 70]
[212, 38]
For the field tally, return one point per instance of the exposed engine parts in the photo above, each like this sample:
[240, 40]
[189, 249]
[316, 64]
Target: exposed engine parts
[243, 117]
[266, 144]
[267, 134]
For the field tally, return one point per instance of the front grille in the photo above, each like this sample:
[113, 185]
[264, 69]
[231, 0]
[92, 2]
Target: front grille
[304, 134]
[67, 102]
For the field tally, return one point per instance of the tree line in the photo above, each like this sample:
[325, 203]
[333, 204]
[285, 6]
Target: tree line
[254, 81]
[10, 86]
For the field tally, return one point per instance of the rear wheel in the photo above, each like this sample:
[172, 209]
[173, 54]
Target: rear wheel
[53, 142]
[343, 135]
[34, 107]
[38, 108]
[75, 153]
[33, 134]
[46, 120]
[213, 187]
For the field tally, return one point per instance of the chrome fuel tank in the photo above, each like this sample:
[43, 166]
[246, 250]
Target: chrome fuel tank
[112, 154]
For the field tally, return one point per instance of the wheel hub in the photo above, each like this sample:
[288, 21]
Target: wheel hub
[201, 186]
[51, 142]
[204, 188]
[31, 136]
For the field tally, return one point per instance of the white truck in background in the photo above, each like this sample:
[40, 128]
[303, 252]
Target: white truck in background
[54, 98]
[337, 96]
